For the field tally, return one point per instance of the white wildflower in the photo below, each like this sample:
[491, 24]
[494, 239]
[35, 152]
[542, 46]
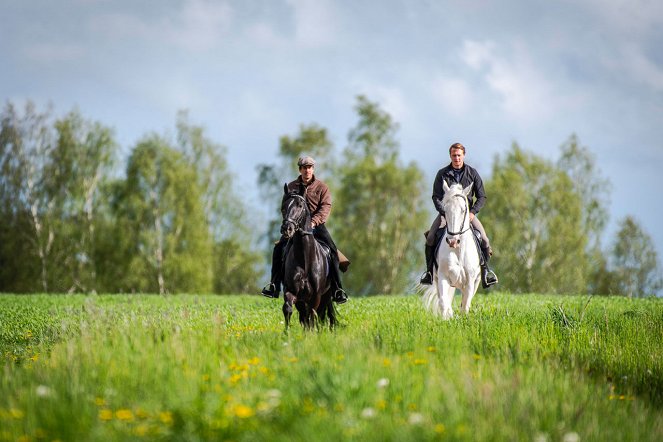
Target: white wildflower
[368, 413]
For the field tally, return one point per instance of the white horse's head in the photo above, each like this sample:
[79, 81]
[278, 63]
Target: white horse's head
[456, 211]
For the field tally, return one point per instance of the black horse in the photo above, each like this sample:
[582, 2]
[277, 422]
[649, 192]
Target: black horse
[306, 282]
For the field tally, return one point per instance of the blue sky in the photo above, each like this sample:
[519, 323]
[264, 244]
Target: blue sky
[485, 73]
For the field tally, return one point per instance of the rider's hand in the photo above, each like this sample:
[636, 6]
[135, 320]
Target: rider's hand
[312, 225]
[471, 216]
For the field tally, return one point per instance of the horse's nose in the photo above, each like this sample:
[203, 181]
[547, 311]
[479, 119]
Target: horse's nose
[287, 230]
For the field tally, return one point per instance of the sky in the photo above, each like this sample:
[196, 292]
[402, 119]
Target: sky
[484, 73]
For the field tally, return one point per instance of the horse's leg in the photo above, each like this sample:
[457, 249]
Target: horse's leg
[288, 300]
[469, 291]
[445, 296]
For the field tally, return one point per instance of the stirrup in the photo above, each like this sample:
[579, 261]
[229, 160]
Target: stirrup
[340, 297]
[488, 278]
[269, 291]
[426, 278]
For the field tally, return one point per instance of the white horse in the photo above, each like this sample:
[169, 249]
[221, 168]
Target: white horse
[458, 264]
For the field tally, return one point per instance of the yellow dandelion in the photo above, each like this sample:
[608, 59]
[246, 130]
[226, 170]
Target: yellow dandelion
[254, 361]
[99, 401]
[166, 417]
[476, 357]
[34, 357]
[294, 359]
[243, 412]
[386, 362]
[105, 414]
[439, 428]
[381, 404]
[142, 414]
[124, 414]
[340, 357]
[235, 378]
[412, 406]
[420, 362]
[28, 333]
[141, 430]
[431, 349]
[205, 377]
[264, 370]
[16, 413]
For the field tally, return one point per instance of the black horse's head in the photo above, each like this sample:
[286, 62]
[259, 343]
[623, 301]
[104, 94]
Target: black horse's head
[297, 216]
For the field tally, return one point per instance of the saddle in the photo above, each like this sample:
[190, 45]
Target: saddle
[477, 240]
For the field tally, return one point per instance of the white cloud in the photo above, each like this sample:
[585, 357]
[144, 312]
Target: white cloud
[628, 18]
[263, 34]
[315, 22]
[524, 92]
[453, 94]
[199, 25]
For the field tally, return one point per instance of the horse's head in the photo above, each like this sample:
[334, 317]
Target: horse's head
[296, 215]
[456, 212]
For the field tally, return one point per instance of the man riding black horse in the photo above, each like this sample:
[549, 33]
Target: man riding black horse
[459, 172]
[318, 199]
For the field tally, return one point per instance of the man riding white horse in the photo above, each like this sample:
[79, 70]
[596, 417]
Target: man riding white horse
[459, 172]
[318, 199]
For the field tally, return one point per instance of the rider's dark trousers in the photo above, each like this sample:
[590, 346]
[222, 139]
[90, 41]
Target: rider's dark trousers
[320, 233]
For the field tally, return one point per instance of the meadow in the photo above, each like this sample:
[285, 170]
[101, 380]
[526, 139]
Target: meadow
[185, 367]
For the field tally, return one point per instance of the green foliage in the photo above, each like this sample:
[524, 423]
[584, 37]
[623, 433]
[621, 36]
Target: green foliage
[535, 216]
[636, 271]
[170, 238]
[379, 209]
[520, 367]
[69, 227]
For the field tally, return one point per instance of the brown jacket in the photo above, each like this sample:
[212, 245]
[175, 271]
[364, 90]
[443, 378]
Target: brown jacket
[317, 197]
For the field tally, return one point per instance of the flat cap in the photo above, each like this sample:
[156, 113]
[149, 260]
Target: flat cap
[306, 161]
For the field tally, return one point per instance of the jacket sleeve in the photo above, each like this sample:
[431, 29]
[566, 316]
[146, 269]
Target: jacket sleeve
[324, 207]
[479, 194]
[438, 192]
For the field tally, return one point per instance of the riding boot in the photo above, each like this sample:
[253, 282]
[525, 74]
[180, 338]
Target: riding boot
[340, 297]
[427, 277]
[273, 289]
[488, 277]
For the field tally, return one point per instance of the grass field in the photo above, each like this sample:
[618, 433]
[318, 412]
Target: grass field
[137, 367]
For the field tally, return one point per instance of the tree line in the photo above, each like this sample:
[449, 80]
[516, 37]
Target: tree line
[169, 220]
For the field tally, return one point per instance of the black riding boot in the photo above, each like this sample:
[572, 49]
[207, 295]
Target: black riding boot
[340, 297]
[488, 277]
[427, 277]
[273, 289]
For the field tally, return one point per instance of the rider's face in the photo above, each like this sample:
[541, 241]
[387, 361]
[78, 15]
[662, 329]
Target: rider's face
[457, 158]
[306, 173]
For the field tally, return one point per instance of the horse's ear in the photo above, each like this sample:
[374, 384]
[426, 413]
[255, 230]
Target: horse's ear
[285, 188]
[468, 189]
[445, 186]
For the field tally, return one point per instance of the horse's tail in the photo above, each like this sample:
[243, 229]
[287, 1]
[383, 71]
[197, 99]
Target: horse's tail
[430, 296]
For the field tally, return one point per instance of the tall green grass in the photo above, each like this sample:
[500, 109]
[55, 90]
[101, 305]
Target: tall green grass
[220, 368]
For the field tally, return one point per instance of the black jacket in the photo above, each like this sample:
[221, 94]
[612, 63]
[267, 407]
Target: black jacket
[468, 176]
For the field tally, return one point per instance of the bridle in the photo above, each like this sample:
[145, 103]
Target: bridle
[296, 223]
[465, 210]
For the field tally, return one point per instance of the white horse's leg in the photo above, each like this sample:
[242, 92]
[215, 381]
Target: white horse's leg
[469, 291]
[445, 296]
